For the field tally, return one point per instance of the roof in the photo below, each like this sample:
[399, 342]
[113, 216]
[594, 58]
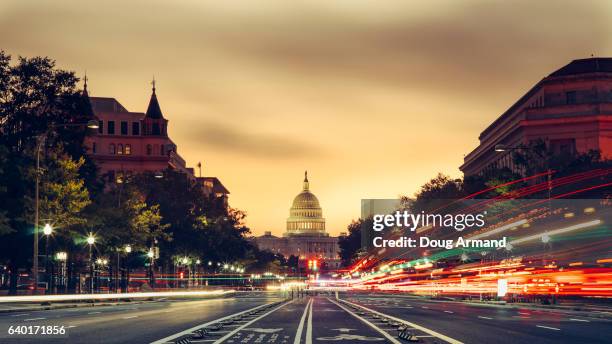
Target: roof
[217, 185]
[103, 104]
[576, 67]
[154, 111]
[583, 66]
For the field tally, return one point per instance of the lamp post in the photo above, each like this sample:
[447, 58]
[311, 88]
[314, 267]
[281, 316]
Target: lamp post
[40, 140]
[90, 241]
[128, 250]
[63, 257]
[47, 231]
[151, 255]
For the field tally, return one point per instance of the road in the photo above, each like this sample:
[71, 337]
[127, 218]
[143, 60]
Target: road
[353, 318]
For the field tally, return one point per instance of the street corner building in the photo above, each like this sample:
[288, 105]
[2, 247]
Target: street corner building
[570, 110]
[127, 143]
[305, 237]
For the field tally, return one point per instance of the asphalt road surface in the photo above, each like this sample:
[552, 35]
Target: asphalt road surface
[268, 318]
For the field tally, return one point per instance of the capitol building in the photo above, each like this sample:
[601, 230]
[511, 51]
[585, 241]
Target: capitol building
[305, 236]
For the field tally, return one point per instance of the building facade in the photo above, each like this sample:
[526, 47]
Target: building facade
[128, 143]
[305, 236]
[570, 110]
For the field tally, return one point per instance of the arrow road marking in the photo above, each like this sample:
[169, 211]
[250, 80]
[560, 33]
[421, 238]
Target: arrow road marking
[351, 337]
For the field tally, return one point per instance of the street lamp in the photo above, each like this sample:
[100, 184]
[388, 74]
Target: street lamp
[40, 140]
[47, 230]
[63, 257]
[151, 256]
[128, 249]
[90, 241]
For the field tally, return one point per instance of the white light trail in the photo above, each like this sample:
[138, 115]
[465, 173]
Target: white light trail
[42, 298]
[556, 231]
[499, 230]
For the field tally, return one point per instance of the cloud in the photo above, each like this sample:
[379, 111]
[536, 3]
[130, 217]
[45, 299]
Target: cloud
[248, 142]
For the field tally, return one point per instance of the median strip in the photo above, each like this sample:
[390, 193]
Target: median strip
[411, 324]
[195, 328]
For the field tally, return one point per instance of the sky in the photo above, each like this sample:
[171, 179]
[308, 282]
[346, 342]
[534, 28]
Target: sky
[373, 98]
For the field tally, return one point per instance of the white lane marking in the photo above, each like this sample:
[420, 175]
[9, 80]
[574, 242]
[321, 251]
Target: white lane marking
[238, 329]
[411, 324]
[449, 312]
[94, 312]
[582, 320]
[309, 325]
[32, 319]
[481, 317]
[424, 336]
[548, 327]
[71, 326]
[298, 333]
[190, 330]
[19, 315]
[379, 330]
[131, 317]
[424, 307]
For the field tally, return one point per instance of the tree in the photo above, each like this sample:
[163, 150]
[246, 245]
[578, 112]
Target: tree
[35, 97]
[64, 194]
[436, 193]
[351, 243]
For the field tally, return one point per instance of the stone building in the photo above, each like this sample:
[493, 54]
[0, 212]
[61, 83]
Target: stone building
[570, 110]
[305, 236]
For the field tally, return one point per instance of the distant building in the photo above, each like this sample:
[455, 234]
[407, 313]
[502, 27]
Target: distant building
[213, 186]
[134, 142]
[305, 237]
[571, 110]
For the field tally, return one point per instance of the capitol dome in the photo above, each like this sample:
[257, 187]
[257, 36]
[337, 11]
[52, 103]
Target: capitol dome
[305, 215]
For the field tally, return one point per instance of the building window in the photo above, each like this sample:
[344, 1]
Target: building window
[93, 148]
[111, 176]
[124, 128]
[156, 130]
[120, 149]
[149, 150]
[135, 128]
[100, 127]
[570, 97]
[111, 149]
[111, 128]
[161, 150]
[128, 150]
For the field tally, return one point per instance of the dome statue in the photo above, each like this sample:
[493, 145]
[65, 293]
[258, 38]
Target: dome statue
[305, 215]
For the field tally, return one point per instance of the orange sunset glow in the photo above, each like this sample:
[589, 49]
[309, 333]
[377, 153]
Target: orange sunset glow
[372, 99]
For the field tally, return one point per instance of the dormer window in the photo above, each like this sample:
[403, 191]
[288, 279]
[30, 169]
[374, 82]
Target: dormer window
[156, 130]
